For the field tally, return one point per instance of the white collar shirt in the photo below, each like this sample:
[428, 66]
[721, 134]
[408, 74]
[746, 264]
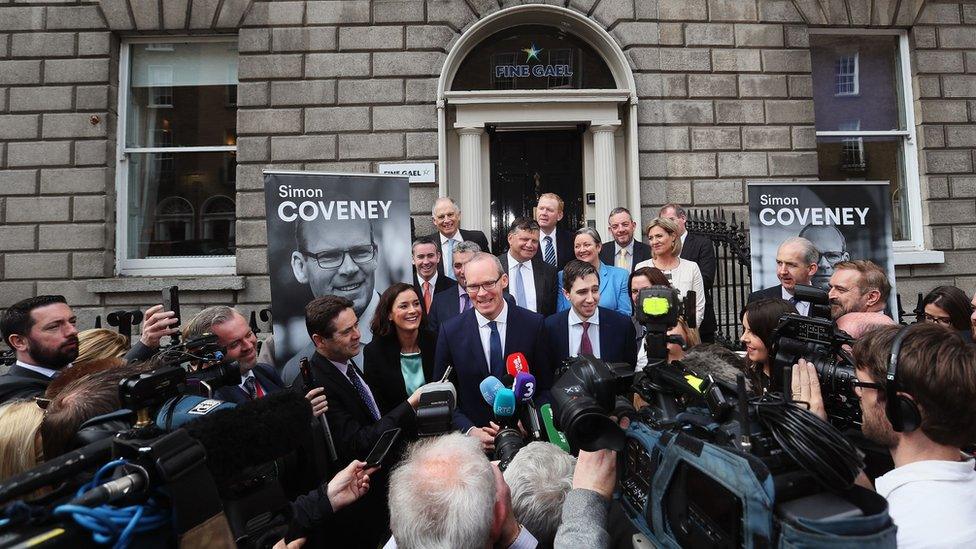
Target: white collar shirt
[446, 255]
[46, 372]
[432, 281]
[576, 332]
[527, 279]
[484, 331]
[802, 307]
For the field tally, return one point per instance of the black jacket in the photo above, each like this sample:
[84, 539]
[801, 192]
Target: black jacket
[266, 375]
[642, 252]
[699, 249]
[546, 289]
[477, 237]
[20, 383]
[381, 368]
[773, 292]
[443, 283]
[564, 248]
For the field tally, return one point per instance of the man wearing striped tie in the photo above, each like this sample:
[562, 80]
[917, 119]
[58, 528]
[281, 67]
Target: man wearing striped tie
[624, 250]
[532, 281]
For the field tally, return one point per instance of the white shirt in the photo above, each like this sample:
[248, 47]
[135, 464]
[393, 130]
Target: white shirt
[933, 503]
[630, 255]
[245, 377]
[46, 372]
[527, 278]
[576, 332]
[485, 332]
[446, 256]
[684, 236]
[432, 281]
[802, 307]
[686, 276]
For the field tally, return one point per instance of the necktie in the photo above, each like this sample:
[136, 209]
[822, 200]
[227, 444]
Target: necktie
[622, 259]
[586, 347]
[357, 382]
[427, 296]
[793, 300]
[467, 301]
[449, 271]
[520, 298]
[550, 254]
[496, 364]
[251, 387]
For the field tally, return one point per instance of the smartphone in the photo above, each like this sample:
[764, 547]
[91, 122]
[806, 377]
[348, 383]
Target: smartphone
[171, 302]
[382, 447]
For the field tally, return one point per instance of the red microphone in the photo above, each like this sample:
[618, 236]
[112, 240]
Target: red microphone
[516, 363]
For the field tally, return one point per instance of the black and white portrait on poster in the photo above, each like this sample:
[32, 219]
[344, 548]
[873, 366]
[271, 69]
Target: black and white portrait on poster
[845, 220]
[332, 233]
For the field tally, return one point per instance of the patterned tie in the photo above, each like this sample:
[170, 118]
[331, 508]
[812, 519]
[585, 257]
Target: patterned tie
[427, 296]
[250, 384]
[550, 254]
[496, 364]
[622, 259]
[357, 382]
[449, 271]
[467, 301]
[520, 298]
[586, 347]
[793, 301]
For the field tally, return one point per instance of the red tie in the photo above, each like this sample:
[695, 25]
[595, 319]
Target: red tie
[427, 296]
[586, 348]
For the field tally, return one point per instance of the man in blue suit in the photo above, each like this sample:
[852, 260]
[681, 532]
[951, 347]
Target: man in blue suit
[477, 342]
[448, 304]
[571, 332]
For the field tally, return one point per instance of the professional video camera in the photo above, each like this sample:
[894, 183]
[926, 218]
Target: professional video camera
[817, 339]
[706, 464]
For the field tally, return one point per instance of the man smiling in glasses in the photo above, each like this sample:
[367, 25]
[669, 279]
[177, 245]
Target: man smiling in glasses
[340, 260]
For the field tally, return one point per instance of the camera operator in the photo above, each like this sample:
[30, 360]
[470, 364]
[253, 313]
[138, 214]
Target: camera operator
[858, 286]
[585, 510]
[916, 386]
[858, 324]
[540, 475]
[645, 277]
[445, 493]
[156, 324]
[41, 331]
[759, 321]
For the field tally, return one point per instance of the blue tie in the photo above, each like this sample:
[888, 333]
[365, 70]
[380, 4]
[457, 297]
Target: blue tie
[449, 271]
[520, 298]
[496, 365]
[550, 254]
[357, 382]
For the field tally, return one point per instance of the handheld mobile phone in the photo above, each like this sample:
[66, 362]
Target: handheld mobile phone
[171, 302]
[382, 447]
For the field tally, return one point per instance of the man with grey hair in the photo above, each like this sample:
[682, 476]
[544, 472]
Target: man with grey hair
[540, 475]
[796, 263]
[445, 495]
[447, 220]
[447, 305]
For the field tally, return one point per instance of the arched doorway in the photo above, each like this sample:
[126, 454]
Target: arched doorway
[537, 99]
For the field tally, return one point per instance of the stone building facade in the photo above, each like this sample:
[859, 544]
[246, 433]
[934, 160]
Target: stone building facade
[705, 95]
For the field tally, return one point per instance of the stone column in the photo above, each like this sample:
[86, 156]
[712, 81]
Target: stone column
[474, 212]
[604, 170]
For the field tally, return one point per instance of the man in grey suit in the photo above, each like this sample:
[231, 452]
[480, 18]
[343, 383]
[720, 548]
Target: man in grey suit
[532, 281]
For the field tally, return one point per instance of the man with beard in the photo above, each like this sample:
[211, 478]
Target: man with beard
[41, 331]
[624, 251]
[916, 386]
[336, 258]
[858, 286]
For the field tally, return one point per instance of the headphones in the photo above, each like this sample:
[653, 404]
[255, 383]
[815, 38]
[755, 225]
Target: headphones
[902, 411]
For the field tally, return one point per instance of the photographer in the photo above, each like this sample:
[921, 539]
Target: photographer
[156, 324]
[916, 385]
[759, 320]
[540, 475]
[858, 286]
[588, 503]
[645, 277]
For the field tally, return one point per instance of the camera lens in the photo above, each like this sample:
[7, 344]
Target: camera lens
[508, 442]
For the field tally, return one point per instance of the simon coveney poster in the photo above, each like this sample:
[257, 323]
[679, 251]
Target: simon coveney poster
[845, 220]
[332, 233]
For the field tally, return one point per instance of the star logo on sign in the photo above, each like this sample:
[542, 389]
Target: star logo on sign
[532, 52]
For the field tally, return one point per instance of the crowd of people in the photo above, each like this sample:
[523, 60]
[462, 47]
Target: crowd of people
[553, 294]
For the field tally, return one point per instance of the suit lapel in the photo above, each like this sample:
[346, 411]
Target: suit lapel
[471, 327]
[564, 334]
[341, 383]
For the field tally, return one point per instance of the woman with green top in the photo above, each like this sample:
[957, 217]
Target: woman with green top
[401, 356]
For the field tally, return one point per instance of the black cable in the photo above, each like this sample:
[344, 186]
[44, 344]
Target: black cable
[812, 443]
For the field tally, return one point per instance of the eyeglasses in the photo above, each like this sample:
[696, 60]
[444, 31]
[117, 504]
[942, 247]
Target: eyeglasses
[488, 286]
[332, 259]
[858, 385]
[944, 320]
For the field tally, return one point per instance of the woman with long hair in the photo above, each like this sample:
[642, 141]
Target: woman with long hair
[400, 358]
[759, 321]
[684, 275]
[948, 306]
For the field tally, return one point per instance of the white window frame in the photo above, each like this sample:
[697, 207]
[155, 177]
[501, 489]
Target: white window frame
[910, 251]
[857, 72]
[156, 266]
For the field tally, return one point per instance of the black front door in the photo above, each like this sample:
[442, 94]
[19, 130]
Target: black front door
[526, 164]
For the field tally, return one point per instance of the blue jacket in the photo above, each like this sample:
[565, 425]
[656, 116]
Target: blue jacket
[266, 375]
[614, 293]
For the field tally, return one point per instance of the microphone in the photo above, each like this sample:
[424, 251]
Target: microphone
[504, 406]
[309, 382]
[554, 435]
[524, 389]
[715, 361]
[516, 363]
[113, 490]
[489, 388]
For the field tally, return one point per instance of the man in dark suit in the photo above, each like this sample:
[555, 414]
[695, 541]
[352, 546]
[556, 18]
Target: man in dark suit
[555, 244]
[41, 331]
[570, 332]
[699, 249]
[447, 219]
[447, 305]
[624, 251]
[426, 280]
[353, 414]
[477, 341]
[532, 281]
[796, 263]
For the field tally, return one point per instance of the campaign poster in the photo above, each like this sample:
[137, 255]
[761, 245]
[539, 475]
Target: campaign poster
[845, 220]
[332, 233]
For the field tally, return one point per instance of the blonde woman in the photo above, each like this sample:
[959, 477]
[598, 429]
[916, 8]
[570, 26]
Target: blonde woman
[99, 343]
[684, 275]
[20, 438]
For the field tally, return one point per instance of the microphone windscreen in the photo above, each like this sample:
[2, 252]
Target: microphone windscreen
[555, 436]
[180, 410]
[515, 363]
[716, 361]
[489, 388]
[524, 386]
[504, 405]
[254, 433]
